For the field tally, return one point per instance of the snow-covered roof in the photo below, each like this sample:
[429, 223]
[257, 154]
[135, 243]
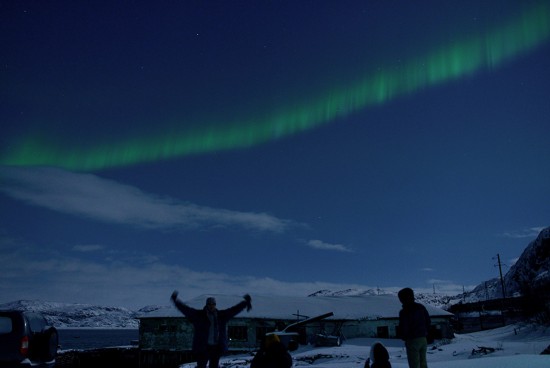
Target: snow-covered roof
[286, 307]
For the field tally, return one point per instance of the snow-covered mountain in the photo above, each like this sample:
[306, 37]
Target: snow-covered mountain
[63, 315]
[533, 267]
[530, 273]
[350, 292]
[435, 300]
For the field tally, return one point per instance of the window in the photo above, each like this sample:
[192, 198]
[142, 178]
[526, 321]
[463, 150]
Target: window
[6, 325]
[237, 333]
[167, 328]
[36, 321]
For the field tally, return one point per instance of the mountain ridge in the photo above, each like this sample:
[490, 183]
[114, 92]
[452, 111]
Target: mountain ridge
[528, 275]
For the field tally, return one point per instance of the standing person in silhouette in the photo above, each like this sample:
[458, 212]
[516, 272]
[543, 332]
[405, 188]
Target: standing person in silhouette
[414, 325]
[210, 328]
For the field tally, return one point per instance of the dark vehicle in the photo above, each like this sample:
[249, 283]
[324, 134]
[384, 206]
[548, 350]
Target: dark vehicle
[26, 340]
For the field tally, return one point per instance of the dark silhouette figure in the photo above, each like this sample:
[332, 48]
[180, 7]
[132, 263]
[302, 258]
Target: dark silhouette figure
[272, 354]
[379, 357]
[414, 325]
[210, 328]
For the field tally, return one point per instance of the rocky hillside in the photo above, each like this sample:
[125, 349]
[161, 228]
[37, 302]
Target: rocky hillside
[63, 315]
[436, 300]
[530, 273]
[532, 270]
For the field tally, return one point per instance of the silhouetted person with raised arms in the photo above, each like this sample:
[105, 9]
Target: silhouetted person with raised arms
[210, 328]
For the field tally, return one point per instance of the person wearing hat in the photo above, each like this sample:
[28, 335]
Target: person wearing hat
[414, 326]
[379, 356]
[272, 354]
[210, 328]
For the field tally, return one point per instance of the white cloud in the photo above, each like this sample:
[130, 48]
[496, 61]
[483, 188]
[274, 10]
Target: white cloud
[532, 232]
[87, 248]
[127, 282]
[318, 244]
[132, 279]
[109, 201]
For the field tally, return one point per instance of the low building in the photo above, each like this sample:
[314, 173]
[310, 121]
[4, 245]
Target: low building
[353, 317]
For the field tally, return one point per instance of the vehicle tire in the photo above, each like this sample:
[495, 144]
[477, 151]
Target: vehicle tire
[50, 341]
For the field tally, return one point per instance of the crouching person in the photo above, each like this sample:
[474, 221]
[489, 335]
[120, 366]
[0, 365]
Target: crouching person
[379, 357]
[272, 354]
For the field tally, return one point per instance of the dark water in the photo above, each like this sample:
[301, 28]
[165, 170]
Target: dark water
[86, 339]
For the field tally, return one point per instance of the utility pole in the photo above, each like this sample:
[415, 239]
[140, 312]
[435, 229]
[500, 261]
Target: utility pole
[502, 302]
[501, 278]
[298, 316]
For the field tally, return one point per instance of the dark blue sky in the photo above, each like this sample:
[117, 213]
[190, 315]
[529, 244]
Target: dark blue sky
[422, 186]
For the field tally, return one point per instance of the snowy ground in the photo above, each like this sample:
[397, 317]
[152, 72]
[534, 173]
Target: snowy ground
[515, 346]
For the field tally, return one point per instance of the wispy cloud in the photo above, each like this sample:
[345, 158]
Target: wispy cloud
[139, 279]
[87, 248]
[106, 200]
[318, 244]
[531, 232]
[129, 281]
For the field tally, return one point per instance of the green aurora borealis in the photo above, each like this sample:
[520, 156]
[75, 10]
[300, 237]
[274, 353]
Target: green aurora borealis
[450, 62]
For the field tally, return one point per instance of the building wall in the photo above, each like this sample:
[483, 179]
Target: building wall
[387, 328]
[173, 333]
[442, 328]
[165, 333]
[380, 328]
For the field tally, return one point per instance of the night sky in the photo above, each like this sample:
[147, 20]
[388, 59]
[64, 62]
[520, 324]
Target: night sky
[273, 148]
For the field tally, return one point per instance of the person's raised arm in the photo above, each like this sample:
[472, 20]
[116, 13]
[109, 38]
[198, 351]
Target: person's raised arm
[181, 306]
[239, 307]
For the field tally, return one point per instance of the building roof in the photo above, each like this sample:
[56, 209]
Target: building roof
[287, 307]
